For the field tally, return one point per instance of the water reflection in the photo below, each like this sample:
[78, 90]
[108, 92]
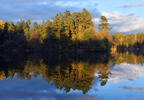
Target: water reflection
[76, 76]
[36, 77]
[126, 71]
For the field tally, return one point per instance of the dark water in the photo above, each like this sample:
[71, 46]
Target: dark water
[91, 77]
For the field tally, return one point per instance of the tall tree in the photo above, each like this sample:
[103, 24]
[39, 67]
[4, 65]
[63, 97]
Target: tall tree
[82, 21]
[58, 25]
[68, 24]
[11, 27]
[22, 25]
[86, 19]
[104, 26]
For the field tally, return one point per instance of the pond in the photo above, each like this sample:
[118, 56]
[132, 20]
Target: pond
[114, 77]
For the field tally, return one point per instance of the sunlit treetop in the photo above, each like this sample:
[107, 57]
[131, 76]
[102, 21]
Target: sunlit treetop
[2, 24]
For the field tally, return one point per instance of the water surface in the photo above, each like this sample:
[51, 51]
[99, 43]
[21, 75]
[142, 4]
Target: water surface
[119, 77]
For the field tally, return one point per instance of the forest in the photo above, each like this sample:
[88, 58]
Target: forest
[66, 50]
[66, 33]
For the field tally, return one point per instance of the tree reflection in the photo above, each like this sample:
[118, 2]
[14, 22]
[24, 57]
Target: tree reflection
[76, 75]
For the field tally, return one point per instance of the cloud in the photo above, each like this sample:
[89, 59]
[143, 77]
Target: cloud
[133, 5]
[123, 23]
[43, 3]
[78, 4]
[126, 71]
[39, 10]
[37, 89]
[132, 89]
[42, 9]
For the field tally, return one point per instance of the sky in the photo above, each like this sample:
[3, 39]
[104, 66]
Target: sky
[123, 15]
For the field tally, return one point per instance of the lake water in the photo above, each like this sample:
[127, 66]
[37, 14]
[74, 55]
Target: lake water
[120, 77]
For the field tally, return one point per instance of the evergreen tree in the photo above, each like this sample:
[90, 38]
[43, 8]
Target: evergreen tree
[11, 27]
[104, 26]
[58, 25]
[68, 24]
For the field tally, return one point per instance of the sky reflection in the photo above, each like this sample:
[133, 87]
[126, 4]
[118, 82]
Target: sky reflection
[125, 83]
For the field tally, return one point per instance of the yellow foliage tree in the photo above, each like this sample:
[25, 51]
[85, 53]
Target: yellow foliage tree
[2, 24]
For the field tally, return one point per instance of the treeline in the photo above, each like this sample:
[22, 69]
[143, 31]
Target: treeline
[132, 43]
[127, 57]
[65, 32]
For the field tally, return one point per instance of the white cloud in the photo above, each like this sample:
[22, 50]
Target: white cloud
[77, 4]
[132, 89]
[126, 71]
[43, 3]
[132, 5]
[124, 23]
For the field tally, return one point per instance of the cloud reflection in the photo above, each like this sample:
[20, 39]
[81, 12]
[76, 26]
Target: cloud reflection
[132, 89]
[126, 71]
[36, 89]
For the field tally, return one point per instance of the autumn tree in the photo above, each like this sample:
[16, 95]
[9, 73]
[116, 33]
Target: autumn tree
[2, 24]
[11, 27]
[82, 21]
[68, 24]
[58, 25]
[104, 26]
[22, 25]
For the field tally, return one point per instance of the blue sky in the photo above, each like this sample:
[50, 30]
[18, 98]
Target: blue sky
[124, 15]
[122, 6]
